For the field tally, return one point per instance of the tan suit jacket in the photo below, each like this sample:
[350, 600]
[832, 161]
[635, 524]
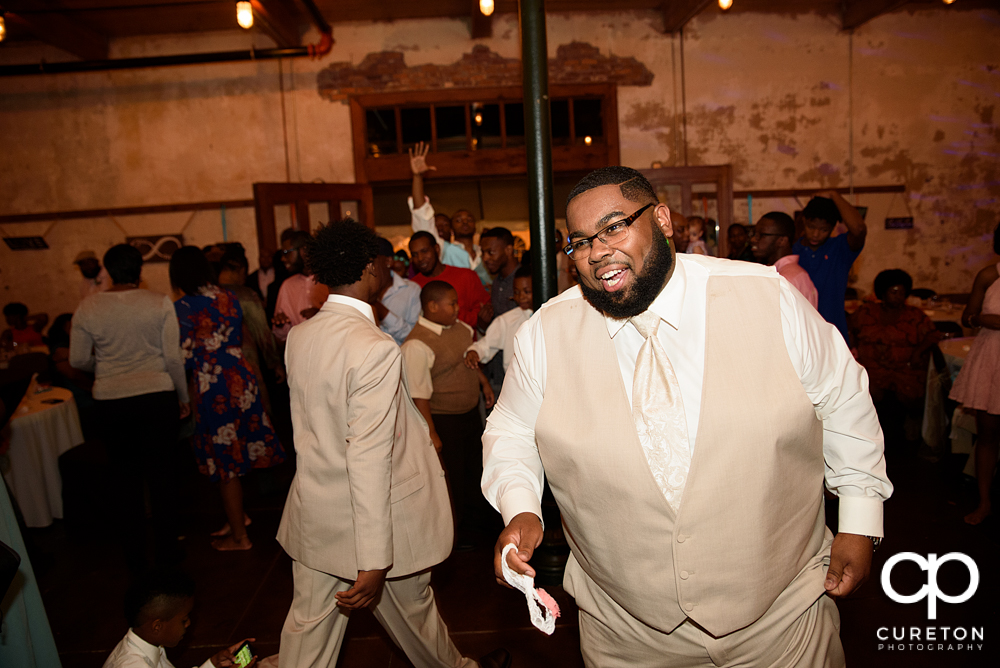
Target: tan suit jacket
[369, 491]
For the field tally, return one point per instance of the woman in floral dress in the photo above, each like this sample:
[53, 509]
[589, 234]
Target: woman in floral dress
[232, 431]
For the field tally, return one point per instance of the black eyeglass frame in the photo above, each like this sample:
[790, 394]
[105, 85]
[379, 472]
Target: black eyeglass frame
[601, 233]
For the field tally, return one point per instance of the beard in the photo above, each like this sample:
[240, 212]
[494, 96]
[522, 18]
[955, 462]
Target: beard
[636, 298]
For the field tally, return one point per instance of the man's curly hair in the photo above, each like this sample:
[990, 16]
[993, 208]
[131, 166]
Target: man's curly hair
[338, 252]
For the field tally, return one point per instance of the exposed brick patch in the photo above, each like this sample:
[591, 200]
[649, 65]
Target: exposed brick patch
[386, 71]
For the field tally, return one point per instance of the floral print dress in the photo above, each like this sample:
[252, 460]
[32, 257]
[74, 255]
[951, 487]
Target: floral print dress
[232, 432]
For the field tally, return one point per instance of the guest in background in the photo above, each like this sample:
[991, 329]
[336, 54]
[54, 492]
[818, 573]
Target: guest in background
[397, 306]
[462, 252]
[828, 259]
[140, 390]
[95, 278]
[157, 609]
[21, 333]
[893, 341]
[739, 243]
[471, 293]
[499, 337]
[680, 238]
[978, 384]
[696, 236]
[771, 244]
[280, 274]
[446, 392]
[400, 262]
[259, 346]
[64, 375]
[262, 278]
[233, 434]
[294, 303]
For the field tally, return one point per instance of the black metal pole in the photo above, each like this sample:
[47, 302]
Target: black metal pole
[550, 558]
[538, 136]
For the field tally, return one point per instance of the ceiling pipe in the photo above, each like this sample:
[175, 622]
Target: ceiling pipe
[317, 50]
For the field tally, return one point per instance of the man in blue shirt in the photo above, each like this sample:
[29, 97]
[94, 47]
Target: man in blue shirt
[828, 260]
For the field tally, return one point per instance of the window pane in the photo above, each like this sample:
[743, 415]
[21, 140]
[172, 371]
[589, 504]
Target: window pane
[381, 126]
[587, 121]
[560, 122]
[450, 128]
[416, 125]
[513, 116]
[485, 126]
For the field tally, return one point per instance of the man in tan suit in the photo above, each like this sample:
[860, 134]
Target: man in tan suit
[368, 512]
[686, 412]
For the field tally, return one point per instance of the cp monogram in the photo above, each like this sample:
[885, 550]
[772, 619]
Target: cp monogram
[930, 591]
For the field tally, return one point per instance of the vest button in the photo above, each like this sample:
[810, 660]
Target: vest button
[685, 575]
[681, 538]
[689, 606]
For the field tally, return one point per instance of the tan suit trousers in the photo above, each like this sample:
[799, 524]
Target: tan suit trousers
[784, 637]
[314, 628]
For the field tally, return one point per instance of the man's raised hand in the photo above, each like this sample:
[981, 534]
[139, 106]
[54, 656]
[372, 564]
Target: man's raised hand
[418, 160]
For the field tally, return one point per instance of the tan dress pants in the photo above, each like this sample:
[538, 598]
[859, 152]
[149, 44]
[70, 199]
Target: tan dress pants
[314, 628]
[784, 637]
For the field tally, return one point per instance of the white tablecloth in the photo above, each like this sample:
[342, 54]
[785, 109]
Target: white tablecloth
[39, 433]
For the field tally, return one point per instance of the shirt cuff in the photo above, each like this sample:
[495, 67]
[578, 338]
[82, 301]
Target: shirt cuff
[516, 501]
[861, 515]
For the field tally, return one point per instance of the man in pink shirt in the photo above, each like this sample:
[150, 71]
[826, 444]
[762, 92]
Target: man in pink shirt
[295, 301]
[771, 243]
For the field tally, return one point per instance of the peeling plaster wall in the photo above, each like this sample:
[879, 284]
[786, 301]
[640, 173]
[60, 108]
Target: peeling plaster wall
[768, 93]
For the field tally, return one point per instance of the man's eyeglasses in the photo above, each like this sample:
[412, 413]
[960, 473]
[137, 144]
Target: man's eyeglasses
[287, 251]
[614, 233]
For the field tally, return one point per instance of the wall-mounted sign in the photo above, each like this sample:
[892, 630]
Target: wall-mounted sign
[25, 243]
[899, 223]
[157, 248]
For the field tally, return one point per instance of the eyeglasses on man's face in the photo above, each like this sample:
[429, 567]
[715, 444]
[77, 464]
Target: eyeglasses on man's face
[613, 233]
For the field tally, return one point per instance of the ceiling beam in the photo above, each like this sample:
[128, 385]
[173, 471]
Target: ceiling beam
[47, 24]
[482, 25]
[859, 12]
[277, 22]
[676, 13]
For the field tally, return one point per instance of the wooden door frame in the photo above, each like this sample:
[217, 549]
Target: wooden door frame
[268, 195]
[686, 177]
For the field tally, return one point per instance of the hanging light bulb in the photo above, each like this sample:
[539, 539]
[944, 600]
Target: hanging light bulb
[486, 7]
[3, 28]
[725, 4]
[948, 2]
[244, 14]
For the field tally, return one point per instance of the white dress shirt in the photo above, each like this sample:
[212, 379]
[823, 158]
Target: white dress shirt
[403, 301]
[418, 360]
[364, 308]
[834, 382]
[499, 336]
[134, 652]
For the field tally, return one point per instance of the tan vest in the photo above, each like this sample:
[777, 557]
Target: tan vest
[456, 386]
[751, 516]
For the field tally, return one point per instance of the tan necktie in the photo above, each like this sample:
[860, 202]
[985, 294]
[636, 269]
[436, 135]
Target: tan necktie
[658, 411]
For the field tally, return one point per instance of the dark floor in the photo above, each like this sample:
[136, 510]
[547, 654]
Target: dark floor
[83, 578]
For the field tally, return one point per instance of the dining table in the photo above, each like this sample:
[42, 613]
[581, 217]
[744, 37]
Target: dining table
[44, 425]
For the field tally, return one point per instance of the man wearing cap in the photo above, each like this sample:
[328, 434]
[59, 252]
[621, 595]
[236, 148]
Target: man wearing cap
[95, 278]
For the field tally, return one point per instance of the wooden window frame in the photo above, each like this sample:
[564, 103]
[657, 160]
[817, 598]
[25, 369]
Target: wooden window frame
[481, 162]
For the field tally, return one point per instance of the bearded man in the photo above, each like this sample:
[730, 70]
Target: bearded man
[686, 412]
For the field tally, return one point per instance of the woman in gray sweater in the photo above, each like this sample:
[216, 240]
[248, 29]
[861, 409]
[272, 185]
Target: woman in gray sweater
[129, 339]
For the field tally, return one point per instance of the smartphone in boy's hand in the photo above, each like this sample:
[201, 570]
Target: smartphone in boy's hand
[240, 654]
